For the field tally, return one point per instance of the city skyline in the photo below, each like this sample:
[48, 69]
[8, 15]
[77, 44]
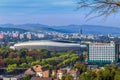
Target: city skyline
[50, 12]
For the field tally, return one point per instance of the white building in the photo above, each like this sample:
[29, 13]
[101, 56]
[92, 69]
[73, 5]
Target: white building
[49, 45]
[102, 53]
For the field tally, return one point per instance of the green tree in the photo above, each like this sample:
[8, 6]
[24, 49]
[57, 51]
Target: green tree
[117, 75]
[24, 65]
[29, 59]
[80, 67]
[23, 52]
[88, 75]
[45, 53]
[35, 63]
[27, 77]
[67, 77]
[71, 52]
[11, 68]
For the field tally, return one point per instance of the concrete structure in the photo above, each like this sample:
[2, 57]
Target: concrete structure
[103, 53]
[49, 45]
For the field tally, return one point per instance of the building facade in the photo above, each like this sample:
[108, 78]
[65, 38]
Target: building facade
[103, 53]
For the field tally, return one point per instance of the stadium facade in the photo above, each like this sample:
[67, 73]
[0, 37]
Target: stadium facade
[49, 45]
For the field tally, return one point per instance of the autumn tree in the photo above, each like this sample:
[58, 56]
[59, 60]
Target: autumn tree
[1, 62]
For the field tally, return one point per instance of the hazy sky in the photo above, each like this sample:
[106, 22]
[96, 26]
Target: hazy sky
[49, 12]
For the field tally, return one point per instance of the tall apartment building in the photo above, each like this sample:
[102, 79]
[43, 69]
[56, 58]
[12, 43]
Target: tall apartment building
[103, 53]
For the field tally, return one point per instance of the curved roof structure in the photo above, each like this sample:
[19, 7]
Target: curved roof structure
[48, 43]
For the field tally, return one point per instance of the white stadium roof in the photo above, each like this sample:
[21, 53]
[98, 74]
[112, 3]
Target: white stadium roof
[48, 43]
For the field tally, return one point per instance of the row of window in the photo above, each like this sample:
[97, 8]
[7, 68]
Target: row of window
[101, 58]
[103, 53]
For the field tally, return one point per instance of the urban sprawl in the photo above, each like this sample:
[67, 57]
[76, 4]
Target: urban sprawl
[59, 56]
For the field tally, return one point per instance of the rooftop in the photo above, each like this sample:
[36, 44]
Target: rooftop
[47, 43]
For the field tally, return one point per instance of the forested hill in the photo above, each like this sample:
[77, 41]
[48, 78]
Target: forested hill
[86, 29]
[12, 29]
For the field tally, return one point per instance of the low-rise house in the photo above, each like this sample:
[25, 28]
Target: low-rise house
[96, 71]
[54, 73]
[30, 71]
[56, 79]
[38, 71]
[38, 78]
[17, 77]
[10, 78]
[60, 73]
[74, 73]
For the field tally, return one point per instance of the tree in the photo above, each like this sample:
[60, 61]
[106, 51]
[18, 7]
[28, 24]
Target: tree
[89, 75]
[45, 53]
[27, 77]
[12, 55]
[71, 52]
[1, 62]
[11, 68]
[24, 65]
[35, 63]
[29, 59]
[117, 75]
[23, 52]
[107, 73]
[101, 7]
[67, 77]
[80, 67]
[7, 61]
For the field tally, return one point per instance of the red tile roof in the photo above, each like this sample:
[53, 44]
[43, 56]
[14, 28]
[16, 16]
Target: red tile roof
[60, 71]
[37, 68]
[38, 78]
[73, 71]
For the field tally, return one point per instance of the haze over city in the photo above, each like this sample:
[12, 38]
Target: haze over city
[50, 12]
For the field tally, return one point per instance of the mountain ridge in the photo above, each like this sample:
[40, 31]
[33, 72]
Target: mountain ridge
[87, 29]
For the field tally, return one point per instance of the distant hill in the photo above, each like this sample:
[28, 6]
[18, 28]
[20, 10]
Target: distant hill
[90, 29]
[31, 27]
[12, 29]
[40, 27]
[87, 29]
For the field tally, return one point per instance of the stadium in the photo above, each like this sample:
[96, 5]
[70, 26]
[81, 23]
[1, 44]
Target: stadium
[49, 45]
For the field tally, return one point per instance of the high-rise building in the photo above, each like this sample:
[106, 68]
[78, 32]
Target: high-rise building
[21, 36]
[29, 36]
[1, 36]
[81, 31]
[103, 53]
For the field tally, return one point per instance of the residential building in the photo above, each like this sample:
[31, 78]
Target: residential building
[60, 73]
[38, 78]
[17, 77]
[39, 71]
[74, 73]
